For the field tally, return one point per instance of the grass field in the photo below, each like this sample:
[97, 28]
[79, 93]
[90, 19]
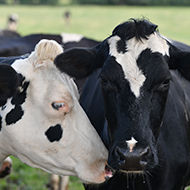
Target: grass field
[96, 22]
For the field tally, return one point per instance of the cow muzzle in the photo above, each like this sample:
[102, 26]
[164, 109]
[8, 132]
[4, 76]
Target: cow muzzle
[133, 161]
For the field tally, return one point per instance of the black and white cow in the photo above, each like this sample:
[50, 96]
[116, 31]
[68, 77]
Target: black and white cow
[19, 45]
[42, 122]
[6, 167]
[138, 99]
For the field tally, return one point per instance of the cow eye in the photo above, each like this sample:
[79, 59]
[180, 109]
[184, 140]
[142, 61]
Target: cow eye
[164, 85]
[103, 80]
[57, 106]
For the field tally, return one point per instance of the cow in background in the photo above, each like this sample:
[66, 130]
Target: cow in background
[137, 97]
[6, 167]
[10, 30]
[22, 45]
[12, 23]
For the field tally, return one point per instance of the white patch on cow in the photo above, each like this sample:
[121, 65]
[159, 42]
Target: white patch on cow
[131, 144]
[128, 60]
[70, 37]
[8, 159]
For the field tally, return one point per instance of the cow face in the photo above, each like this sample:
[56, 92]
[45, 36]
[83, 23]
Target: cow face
[135, 79]
[135, 94]
[42, 122]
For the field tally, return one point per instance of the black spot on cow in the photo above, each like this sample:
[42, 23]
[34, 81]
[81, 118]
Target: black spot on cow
[18, 99]
[14, 115]
[121, 46]
[54, 133]
[8, 83]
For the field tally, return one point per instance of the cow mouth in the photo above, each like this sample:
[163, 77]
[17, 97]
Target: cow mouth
[133, 171]
[109, 172]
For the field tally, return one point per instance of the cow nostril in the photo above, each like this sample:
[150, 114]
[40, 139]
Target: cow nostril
[120, 155]
[145, 152]
[143, 163]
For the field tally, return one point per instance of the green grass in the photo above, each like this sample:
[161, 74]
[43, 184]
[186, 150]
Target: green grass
[96, 22]
[24, 177]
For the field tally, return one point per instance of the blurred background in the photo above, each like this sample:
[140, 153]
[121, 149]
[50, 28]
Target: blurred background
[94, 19]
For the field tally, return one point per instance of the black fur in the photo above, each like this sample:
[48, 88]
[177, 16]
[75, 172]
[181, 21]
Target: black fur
[134, 28]
[9, 82]
[54, 133]
[18, 99]
[84, 61]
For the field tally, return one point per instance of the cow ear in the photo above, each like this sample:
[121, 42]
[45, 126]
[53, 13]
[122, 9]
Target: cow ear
[81, 62]
[180, 60]
[9, 82]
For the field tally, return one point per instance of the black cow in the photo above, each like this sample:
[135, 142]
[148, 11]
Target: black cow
[8, 34]
[19, 45]
[138, 100]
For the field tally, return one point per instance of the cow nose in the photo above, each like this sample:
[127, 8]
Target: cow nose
[135, 160]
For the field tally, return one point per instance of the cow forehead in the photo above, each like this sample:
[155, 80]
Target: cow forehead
[128, 58]
[46, 74]
[46, 86]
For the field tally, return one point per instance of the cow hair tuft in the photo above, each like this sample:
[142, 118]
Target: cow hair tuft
[138, 28]
[47, 49]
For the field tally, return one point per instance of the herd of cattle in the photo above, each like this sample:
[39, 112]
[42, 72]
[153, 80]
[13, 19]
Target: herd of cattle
[135, 92]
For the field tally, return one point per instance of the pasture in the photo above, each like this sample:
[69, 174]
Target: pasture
[95, 22]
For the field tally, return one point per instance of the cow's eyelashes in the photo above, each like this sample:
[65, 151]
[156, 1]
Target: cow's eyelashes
[58, 105]
[164, 85]
[103, 80]
[61, 106]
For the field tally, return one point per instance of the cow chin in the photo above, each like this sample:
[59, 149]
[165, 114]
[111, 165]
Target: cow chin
[96, 173]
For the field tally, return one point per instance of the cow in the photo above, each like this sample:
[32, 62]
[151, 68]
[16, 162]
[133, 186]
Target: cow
[6, 167]
[19, 45]
[137, 97]
[12, 23]
[10, 31]
[42, 122]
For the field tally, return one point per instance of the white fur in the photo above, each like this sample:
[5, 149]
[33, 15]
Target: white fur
[69, 37]
[128, 60]
[8, 159]
[80, 151]
[131, 143]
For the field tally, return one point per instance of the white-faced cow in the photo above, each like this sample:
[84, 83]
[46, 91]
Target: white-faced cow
[138, 100]
[42, 122]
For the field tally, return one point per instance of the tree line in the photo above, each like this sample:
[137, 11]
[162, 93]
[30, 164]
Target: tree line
[135, 2]
[30, 2]
[101, 2]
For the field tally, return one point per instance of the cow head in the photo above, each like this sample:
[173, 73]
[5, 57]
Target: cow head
[6, 167]
[42, 122]
[135, 79]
